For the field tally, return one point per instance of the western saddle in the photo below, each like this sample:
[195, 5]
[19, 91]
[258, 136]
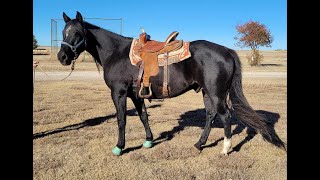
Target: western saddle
[151, 46]
[149, 51]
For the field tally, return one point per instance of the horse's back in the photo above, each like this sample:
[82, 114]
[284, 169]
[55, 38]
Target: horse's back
[209, 62]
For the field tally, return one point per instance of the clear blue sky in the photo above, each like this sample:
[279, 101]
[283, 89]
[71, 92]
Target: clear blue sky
[212, 20]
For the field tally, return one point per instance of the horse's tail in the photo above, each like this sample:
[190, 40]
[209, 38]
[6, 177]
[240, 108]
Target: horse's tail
[244, 111]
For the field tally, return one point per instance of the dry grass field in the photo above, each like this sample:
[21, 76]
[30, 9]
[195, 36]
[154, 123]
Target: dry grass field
[75, 128]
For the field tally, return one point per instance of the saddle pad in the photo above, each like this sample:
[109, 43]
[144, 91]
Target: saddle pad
[173, 56]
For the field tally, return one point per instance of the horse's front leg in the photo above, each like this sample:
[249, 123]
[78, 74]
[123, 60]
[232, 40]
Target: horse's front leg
[119, 97]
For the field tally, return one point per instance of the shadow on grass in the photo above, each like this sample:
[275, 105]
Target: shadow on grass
[86, 123]
[43, 54]
[196, 118]
[271, 65]
[130, 149]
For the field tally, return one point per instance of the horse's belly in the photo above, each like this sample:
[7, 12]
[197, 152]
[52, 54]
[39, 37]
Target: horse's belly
[176, 87]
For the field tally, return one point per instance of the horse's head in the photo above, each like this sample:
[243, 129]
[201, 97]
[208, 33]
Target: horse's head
[74, 39]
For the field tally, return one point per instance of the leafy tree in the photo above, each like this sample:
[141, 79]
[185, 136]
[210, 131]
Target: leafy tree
[253, 34]
[35, 42]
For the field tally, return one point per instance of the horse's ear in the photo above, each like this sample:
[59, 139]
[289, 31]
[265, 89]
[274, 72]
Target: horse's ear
[66, 18]
[79, 17]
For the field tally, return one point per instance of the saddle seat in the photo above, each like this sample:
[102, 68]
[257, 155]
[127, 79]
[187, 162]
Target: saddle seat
[151, 46]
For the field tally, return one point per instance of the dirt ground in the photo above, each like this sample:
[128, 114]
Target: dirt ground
[74, 130]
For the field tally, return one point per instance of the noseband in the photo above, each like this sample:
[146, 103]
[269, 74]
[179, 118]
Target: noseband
[75, 47]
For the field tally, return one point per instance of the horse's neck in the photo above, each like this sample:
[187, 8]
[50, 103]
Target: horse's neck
[103, 45]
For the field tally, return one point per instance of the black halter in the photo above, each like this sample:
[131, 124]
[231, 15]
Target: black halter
[75, 47]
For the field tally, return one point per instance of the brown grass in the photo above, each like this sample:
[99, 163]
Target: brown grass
[272, 61]
[76, 125]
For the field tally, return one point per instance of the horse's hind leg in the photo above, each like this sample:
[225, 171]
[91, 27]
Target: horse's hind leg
[225, 117]
[142, 111]
[219, 106]
[210, 116]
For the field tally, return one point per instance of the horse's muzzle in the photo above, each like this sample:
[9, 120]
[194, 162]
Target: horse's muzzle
[63, 58]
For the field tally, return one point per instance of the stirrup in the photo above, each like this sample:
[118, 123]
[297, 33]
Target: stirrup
[145, 96]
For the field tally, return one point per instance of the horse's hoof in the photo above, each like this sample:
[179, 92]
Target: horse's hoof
[198, 146]
[116, 151]
[147, 144]
[224, 152]
[226, 146]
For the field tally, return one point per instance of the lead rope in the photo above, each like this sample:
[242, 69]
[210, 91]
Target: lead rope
[34, 72]
[72, 68]
[43, 70]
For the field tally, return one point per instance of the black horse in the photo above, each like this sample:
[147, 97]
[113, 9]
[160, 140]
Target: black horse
[212, 67]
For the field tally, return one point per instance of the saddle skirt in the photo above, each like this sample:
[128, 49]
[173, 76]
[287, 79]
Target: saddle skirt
[173, 56]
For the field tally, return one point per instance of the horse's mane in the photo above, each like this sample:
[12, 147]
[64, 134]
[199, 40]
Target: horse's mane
[109, 32]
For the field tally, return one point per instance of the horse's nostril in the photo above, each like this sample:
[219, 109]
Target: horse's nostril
[64, 56]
